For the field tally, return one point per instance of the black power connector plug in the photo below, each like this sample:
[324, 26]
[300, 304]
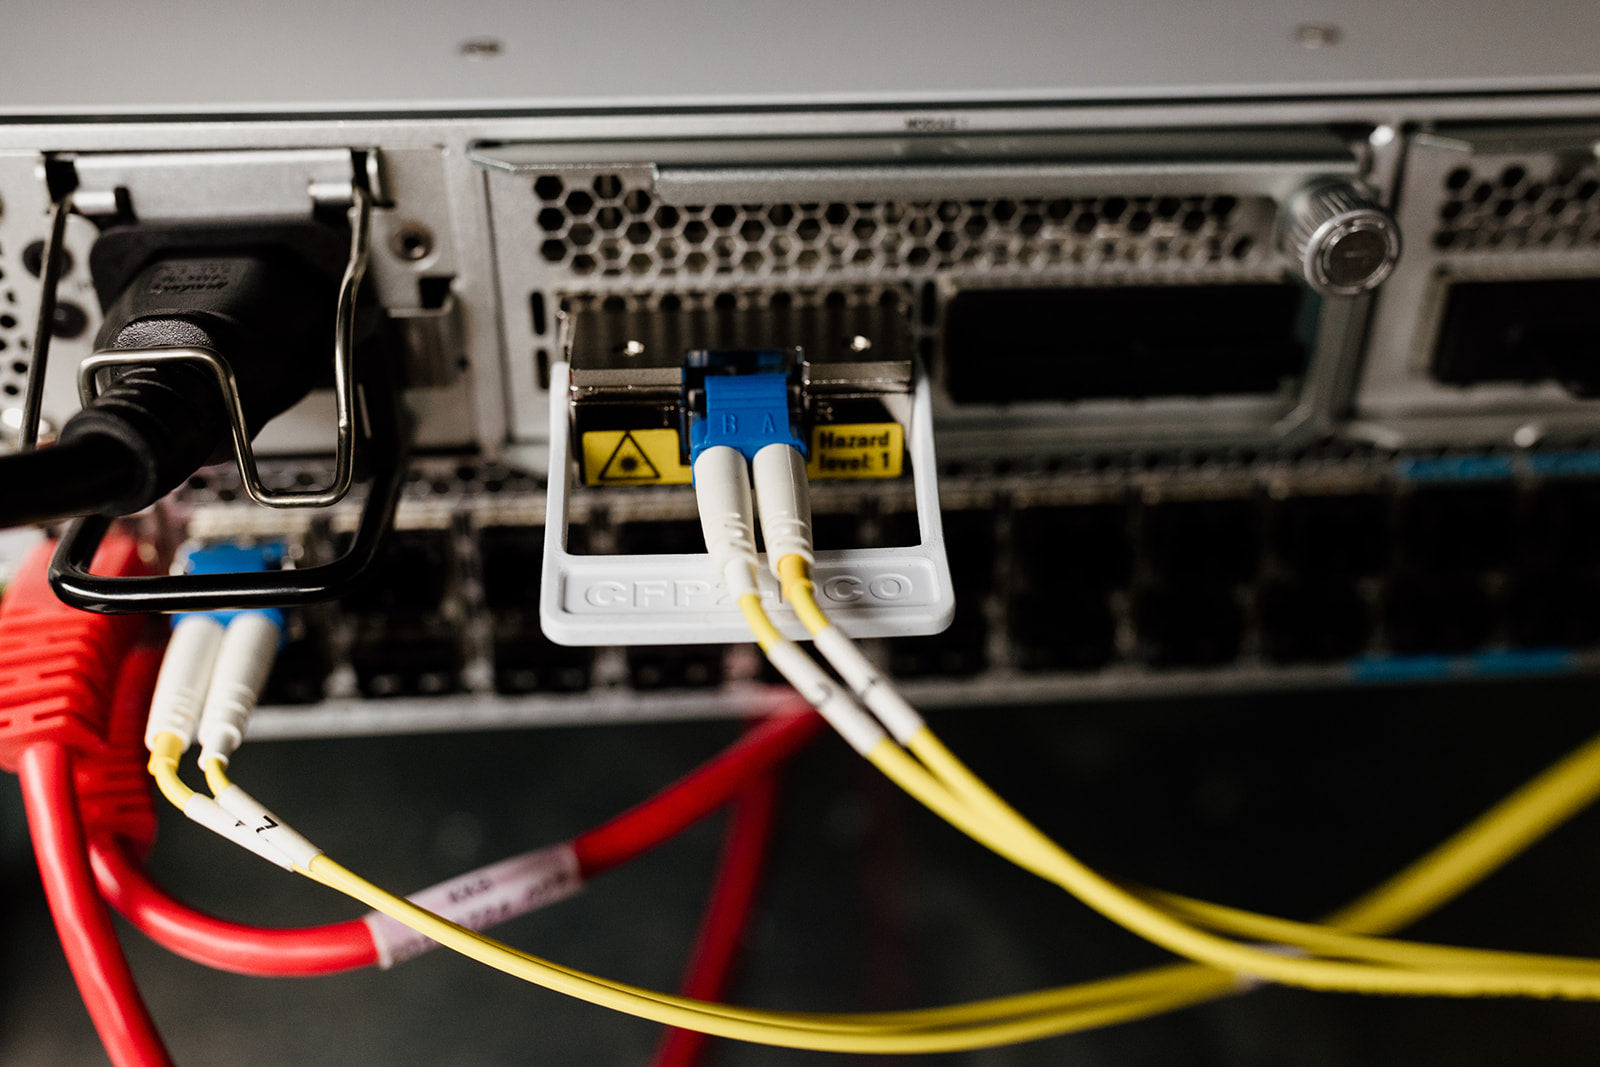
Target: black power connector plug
[261, 297]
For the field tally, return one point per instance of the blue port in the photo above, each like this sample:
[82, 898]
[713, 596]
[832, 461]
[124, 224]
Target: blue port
[238, 559]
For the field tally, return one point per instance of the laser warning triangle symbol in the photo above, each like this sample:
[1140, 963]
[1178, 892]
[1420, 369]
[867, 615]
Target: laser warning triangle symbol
[628, 463]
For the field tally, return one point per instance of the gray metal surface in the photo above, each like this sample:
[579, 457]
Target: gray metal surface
[164, 57]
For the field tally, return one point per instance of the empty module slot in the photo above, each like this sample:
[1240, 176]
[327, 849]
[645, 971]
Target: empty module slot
[411, 573]
[406, 656]
[1313, 621]
[959, 652]
[1217, 539]
[1006, 346]
[526, 661]
[1339, 534]
[1521, 331]
[301, 668]
[1459, 527]
[1560, 523]
[1438, 613]
[671, 537]
[675, 666]
[1188, 625]
[510, 559]
[1070, 630]
[1072, 546]
[1553, 610]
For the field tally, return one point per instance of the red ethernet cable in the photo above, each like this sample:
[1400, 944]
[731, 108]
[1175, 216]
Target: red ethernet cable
[56, 665]
[733, 897]
[81, 918]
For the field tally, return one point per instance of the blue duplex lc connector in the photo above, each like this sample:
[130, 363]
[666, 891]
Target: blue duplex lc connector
[742, 399]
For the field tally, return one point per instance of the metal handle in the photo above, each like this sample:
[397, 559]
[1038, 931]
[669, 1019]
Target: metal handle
[344, 330]
[72, 581]
[49, 282]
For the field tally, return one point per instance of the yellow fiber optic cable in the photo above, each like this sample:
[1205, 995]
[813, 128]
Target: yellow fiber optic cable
[1001, 1020]
[1140, 994]
[1006, 832]
[165, 751]
[791, 1030]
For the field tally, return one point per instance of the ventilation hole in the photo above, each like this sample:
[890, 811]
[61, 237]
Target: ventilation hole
[8, 322]
[551, 219]
[666, 217]
[1512, 176]
[608, 218]
[608, 186]
[723, 215]
[11, 390]
[637, 201]
[581, 234]
[579, 202]
[583, 263]
[536, 306]
[1450, 210]
[548, 187]
[640, 233]
[1458, 178]
[553, 251]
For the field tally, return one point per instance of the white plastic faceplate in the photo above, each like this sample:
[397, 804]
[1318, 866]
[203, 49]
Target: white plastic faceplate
[677, 600]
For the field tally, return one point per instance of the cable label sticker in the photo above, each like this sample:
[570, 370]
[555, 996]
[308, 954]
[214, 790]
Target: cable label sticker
[857, 450]
[479, 899]
[633, 457]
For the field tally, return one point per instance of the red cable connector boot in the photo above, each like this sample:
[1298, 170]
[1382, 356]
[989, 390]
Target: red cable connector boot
[76, 678]
[58, 665]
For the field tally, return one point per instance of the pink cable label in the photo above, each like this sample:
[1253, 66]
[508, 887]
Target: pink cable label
[482, 898]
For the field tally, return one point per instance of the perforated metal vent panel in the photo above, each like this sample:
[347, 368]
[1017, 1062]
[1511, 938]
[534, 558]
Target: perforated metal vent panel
[597, 228]
[1513, 204]
[13, 342]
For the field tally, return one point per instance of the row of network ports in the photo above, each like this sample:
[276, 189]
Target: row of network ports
[1152, 582]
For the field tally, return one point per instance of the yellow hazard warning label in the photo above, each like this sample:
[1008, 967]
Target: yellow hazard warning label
[857, 450]
[633, 457]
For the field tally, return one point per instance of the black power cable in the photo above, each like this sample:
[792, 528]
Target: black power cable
[263, 310]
